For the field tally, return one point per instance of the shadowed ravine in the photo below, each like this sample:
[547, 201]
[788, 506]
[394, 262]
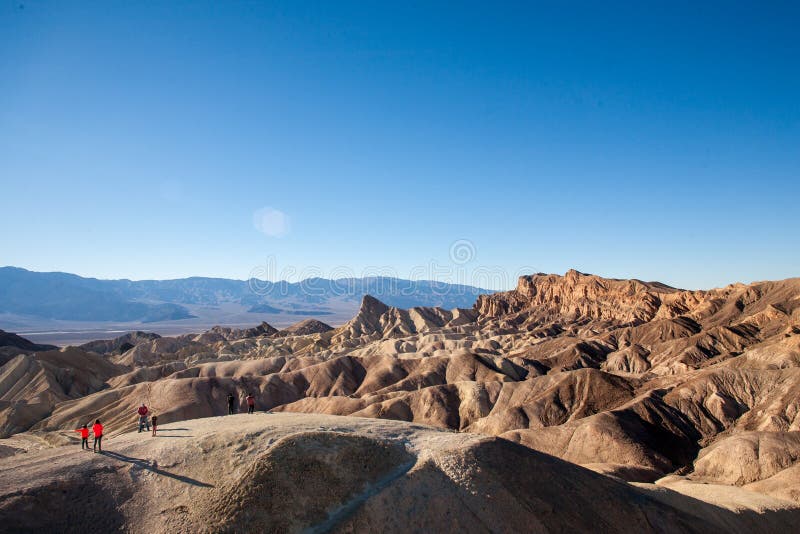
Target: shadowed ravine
[347, 509]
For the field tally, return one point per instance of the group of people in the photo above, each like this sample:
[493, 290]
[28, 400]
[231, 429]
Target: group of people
[251, 404]
[143, 412]
[97, 430]
[146, 420]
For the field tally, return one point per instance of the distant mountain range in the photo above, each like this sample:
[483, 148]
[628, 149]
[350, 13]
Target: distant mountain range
[69, 297]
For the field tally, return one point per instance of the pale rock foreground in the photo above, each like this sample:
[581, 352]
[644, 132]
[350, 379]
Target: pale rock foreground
[319, 473]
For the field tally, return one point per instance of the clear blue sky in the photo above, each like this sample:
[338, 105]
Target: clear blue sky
[642, 139]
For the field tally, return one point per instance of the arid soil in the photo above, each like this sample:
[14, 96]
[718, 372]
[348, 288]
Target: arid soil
[320, 473]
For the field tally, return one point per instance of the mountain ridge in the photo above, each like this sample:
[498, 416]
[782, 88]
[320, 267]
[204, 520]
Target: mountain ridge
[68, 297]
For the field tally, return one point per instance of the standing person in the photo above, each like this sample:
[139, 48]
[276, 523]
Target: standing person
[143, 422]
[84, 431]
[155, 422]
[251, 403]
[97, 429]
[231, 404]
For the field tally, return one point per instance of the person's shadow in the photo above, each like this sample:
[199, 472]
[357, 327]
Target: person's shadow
[173, 435]
[145, 464]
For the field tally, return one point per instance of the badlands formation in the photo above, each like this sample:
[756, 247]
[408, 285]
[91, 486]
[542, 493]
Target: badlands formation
[680, 409]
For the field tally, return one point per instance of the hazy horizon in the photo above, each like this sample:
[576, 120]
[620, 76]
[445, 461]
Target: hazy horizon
[274, 281]
[455, 282]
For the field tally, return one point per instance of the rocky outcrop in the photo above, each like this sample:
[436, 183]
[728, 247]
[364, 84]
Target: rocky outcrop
[376, 320]
[577, 296]
[119, 344]
[222, 333]
[162, 350]
[304, 328]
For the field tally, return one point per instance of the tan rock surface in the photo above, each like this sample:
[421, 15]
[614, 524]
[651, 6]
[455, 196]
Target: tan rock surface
[295, 472]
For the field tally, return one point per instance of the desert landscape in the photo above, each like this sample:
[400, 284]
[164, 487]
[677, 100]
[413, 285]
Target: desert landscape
[569, 402]
[282, 267]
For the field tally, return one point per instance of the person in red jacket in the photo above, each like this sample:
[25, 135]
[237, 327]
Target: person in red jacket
[97, 429]
[84, 431]
[251, 403]
[143, 411]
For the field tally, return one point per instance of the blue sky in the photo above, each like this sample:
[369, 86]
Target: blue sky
[651, 140]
